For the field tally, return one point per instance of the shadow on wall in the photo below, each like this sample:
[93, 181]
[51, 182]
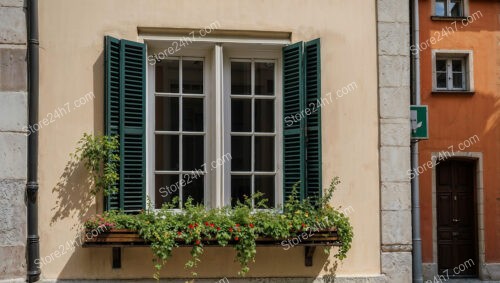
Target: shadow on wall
[73, 189]
[73, 192]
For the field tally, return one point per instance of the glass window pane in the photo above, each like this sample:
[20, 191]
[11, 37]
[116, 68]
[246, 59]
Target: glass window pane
[457, 80]
[241, 150]
[167, 76]
[192, 114]
[264, 115]
[441, 80]
[241, 115]
[166, 188]
[440, 8]
[456, 65]
[264, 78]
[167, 152]
[167, 113]
[265, 185]
[241, 77]
[193, 188]
[456, 8]
[192, 76]
[441, 65]
[264, 154]
[240, 187]
[192, 152]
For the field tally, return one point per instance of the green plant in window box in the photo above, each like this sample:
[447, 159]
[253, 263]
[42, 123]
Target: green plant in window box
[240, 226]
[99, 156]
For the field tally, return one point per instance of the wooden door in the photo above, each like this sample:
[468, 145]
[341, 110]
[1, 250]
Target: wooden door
[456, 218]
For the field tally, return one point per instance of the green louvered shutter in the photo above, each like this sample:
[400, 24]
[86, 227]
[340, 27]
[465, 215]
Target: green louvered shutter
[302, 136]
[293, 103]
[131, 57]
[312, 86]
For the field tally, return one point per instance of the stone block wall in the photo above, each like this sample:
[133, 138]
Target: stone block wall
[13, 141]
[393, 35]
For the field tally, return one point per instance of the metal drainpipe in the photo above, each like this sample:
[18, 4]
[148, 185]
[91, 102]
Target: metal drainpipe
[415, 189]
[33, 241]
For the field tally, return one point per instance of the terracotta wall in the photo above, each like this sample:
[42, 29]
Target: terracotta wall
[455, 118]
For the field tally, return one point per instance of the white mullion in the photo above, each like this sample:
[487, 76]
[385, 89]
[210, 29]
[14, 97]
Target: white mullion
[242, 134]
[181, 188]
[164, 172]
[241, 173]
[167, 94]
[252, 110]
[220, 127]
[278, 189]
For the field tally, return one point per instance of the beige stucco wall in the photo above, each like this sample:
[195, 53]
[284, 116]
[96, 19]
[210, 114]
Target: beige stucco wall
[71, 65]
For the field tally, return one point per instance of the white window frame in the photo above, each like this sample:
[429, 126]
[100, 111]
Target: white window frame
[217, 192]
[465, 7]
[468, 74]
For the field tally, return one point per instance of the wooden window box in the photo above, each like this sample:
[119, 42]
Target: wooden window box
[121, 238]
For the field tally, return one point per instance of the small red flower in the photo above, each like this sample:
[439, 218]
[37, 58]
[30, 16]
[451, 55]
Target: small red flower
[195, 224]
[251, 225]
[206, 223]
[218, 228]
[236, 238]
[179, 233]
[198, 242]
[303, 225]
[237, 225]
[230, 230]
[212, 225]
[191, 226]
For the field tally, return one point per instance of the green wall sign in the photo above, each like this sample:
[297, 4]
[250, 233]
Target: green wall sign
[419, 117]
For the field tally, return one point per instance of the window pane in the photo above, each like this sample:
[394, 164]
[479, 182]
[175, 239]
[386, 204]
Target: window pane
[264, 78]
[265, 185]
[167, 152]
[241, 115]
[441, 65]
[241, 150]
[167, 113]
[240, 187]
[192, 152]
[166, 188]
[440, 8]
[241, 77]
[193, 187]
[192, 76]
[264, 115]
[456, 65]
[264, 154]
[192, 114]
[457, 80]
[441, 80]
[456, 8]
[167, 76]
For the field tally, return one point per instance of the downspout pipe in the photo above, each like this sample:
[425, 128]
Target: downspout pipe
[415, 187]
[33, 240]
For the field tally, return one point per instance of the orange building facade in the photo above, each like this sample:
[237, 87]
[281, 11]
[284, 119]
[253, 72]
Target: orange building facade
[459, 165]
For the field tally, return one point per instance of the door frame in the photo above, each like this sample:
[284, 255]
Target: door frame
[477, 157]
